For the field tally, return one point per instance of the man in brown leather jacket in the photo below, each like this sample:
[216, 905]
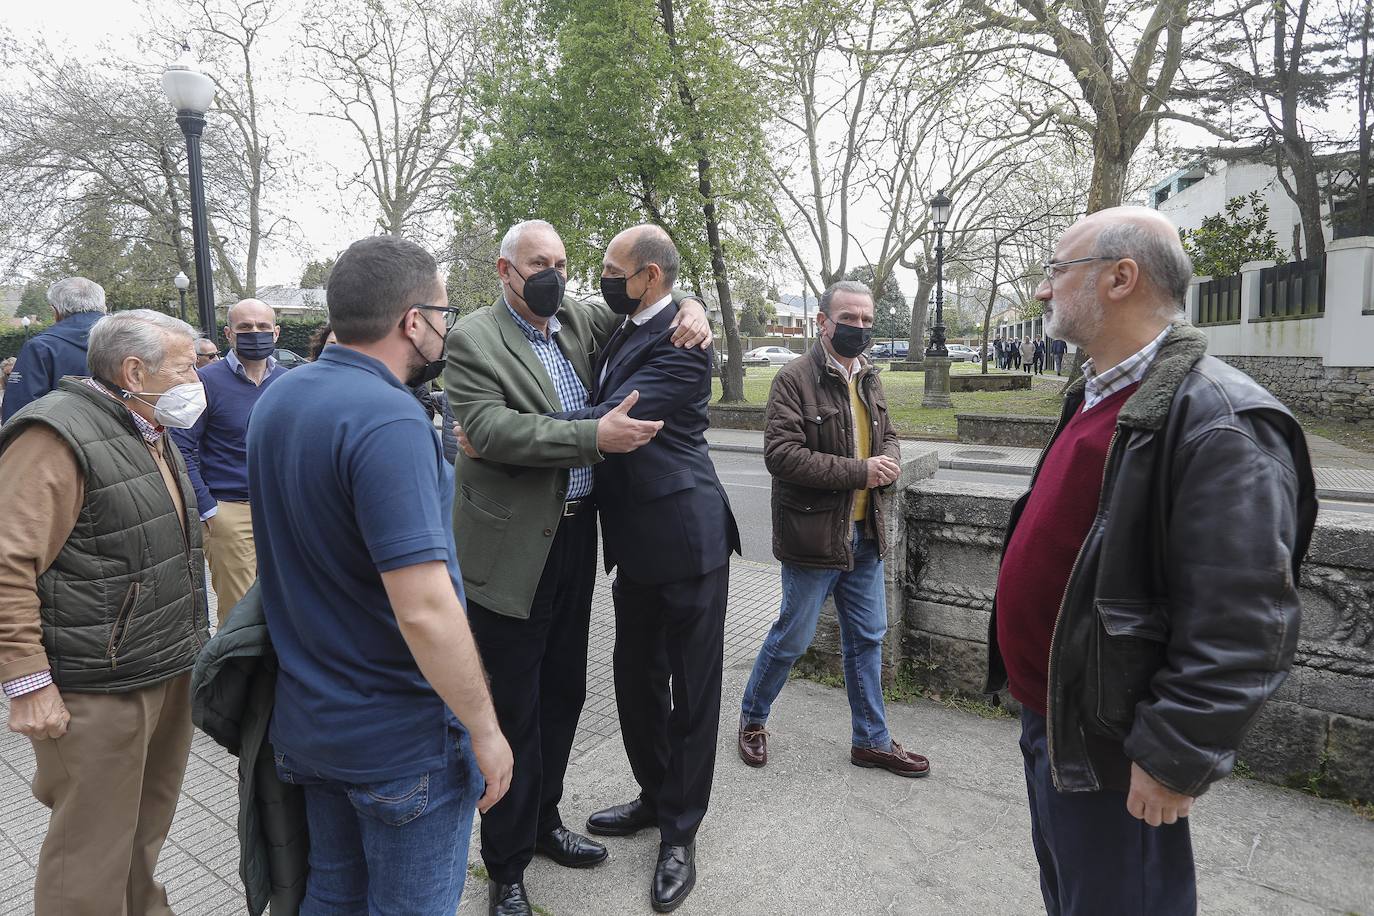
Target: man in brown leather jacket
[1147, 603]
[832, 452]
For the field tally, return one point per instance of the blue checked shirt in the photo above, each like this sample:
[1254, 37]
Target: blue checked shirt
[571, 392]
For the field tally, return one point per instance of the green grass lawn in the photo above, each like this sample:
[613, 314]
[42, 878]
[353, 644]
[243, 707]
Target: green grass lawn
[904, 390]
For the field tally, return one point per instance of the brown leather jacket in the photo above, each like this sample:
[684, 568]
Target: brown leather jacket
[808, 447]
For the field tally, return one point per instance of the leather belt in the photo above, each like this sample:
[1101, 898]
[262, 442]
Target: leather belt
[575, 506]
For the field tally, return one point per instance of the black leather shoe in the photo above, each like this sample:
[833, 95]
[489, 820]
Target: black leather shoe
[623, 820]
[674, 877]
[508, 900]
[569, 849]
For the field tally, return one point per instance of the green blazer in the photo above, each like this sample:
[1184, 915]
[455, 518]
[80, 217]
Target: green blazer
[509, 501]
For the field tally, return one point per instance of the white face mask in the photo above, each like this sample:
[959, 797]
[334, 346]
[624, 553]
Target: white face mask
[179, 407]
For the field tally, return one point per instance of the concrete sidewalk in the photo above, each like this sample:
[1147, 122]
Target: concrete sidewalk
[812, 834]
[1341, 472]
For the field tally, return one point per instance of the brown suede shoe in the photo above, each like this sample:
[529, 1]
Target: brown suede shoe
[899, 760]
[753, 744]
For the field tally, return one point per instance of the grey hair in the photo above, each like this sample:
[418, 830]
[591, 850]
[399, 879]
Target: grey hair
[657, 248]
[75, 295]
[137, 332]
[1160, 256]
[511, 240]
[843, 286]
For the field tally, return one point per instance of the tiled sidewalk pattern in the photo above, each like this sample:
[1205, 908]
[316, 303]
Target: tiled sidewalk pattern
[199, 864]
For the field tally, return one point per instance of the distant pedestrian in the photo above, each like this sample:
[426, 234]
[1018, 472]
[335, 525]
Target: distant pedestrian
[216, 447]
[206, 352]
[1147, 602]
[77, 304]
[997, 352]
[1026, 352]
[381, 713]
[1014, 351]
[1039, 356]
[6, 368]
[103, 610]
[832, 495]
[1058, 348]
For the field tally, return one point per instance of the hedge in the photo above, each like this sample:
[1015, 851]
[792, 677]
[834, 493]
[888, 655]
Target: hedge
[12, 339]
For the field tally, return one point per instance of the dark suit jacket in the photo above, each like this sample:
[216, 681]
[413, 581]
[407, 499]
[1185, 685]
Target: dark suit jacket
[664, 515]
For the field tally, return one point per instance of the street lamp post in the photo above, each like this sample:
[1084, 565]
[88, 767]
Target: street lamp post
[182, 282]
[26, 322]
[891, 329]
[937, 354]
[191, 91]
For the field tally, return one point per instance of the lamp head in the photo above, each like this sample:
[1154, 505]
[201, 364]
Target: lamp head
[940, 206]
[187, 86]
[182, 281]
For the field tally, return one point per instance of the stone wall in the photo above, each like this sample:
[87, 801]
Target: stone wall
[1305, 383]
[736, 416]
[993, 429]
[1319, 725]
[990, 382]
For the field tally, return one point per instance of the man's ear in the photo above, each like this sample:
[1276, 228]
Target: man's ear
[1125, 279]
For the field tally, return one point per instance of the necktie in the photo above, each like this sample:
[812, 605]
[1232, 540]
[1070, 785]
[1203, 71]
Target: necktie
[613, 346]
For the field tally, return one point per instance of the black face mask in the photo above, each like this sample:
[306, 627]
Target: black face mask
[432, 368]
[543, 290]
[849, 341]
[613, 291]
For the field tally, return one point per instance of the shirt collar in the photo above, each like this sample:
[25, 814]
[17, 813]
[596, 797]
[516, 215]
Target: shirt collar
[1101, 385]
[151, 432]
[236, 367]
[529, 330]
[846, 374]
[347, 356]
[648, 314]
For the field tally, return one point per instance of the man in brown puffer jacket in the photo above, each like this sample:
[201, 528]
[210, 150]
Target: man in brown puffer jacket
[833, 454]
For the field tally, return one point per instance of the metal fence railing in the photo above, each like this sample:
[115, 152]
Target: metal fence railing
[1218, 301]
[1294, 290]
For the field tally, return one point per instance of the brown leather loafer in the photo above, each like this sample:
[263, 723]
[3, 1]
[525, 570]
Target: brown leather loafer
[753, 744]
[898, 760]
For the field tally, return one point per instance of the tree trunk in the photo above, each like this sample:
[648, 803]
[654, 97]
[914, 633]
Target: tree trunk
[919, 309]
[1108, 186]
[992, 301]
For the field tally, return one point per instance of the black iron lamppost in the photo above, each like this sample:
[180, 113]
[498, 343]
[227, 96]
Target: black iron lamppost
[182, 282]
[26, 322]
[937, 354]
[191, 91]
[940, 206]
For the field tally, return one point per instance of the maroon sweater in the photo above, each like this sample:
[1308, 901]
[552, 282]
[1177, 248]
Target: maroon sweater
[1040, 556]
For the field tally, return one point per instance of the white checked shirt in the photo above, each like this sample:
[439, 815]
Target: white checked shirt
[1100, 386]
[571, 393]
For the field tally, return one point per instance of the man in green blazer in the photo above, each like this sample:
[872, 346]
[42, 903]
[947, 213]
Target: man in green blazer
[525, 528]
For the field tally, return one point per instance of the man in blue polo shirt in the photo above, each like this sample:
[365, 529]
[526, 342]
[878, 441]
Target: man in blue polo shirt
[216, 449]
[382, 711]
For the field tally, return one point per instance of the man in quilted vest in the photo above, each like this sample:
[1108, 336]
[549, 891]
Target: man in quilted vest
[103, 609]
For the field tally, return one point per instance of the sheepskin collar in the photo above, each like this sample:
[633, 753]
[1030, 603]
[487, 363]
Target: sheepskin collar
[1148, 408]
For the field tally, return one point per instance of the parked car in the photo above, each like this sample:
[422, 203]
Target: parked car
[962, 353]
[769, 356]
[897, 349]
[289, 359]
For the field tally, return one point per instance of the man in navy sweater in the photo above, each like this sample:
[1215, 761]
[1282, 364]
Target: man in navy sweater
[216, 451]
[77, 303]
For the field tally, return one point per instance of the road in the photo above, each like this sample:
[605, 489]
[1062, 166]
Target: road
[747, 483]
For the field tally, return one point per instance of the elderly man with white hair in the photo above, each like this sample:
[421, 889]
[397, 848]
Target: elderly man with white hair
[103, 609]
[216, 447]
[77, 303]
[1147, 602]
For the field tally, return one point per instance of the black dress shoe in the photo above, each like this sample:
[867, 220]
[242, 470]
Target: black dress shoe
[623, 820]
[508, 900]
[674, 877]
[569, 849]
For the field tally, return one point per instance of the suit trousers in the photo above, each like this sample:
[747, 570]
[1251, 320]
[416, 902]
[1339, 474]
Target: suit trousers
[538, 672]
[112, 784]
[233, 559]
[669, 651]
[1094, 856]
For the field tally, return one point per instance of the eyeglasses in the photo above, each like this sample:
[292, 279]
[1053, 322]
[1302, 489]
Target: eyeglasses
[451, 314]
[1053, 268]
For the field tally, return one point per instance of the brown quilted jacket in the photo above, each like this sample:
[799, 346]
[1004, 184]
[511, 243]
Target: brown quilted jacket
[808, 447]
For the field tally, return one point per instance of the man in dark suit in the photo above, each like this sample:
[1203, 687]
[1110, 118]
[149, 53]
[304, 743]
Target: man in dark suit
[668, 530]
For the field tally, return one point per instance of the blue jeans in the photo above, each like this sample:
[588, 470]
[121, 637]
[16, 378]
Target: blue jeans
[861, 603]
[392, 848]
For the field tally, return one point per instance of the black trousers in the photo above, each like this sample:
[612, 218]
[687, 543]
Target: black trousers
[1094, 856]
[669, 650]
[538, 672]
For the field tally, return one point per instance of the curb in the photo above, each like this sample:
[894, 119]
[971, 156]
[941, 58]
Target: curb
[730, 447]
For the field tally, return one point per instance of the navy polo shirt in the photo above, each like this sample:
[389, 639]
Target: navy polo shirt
[347, 480]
